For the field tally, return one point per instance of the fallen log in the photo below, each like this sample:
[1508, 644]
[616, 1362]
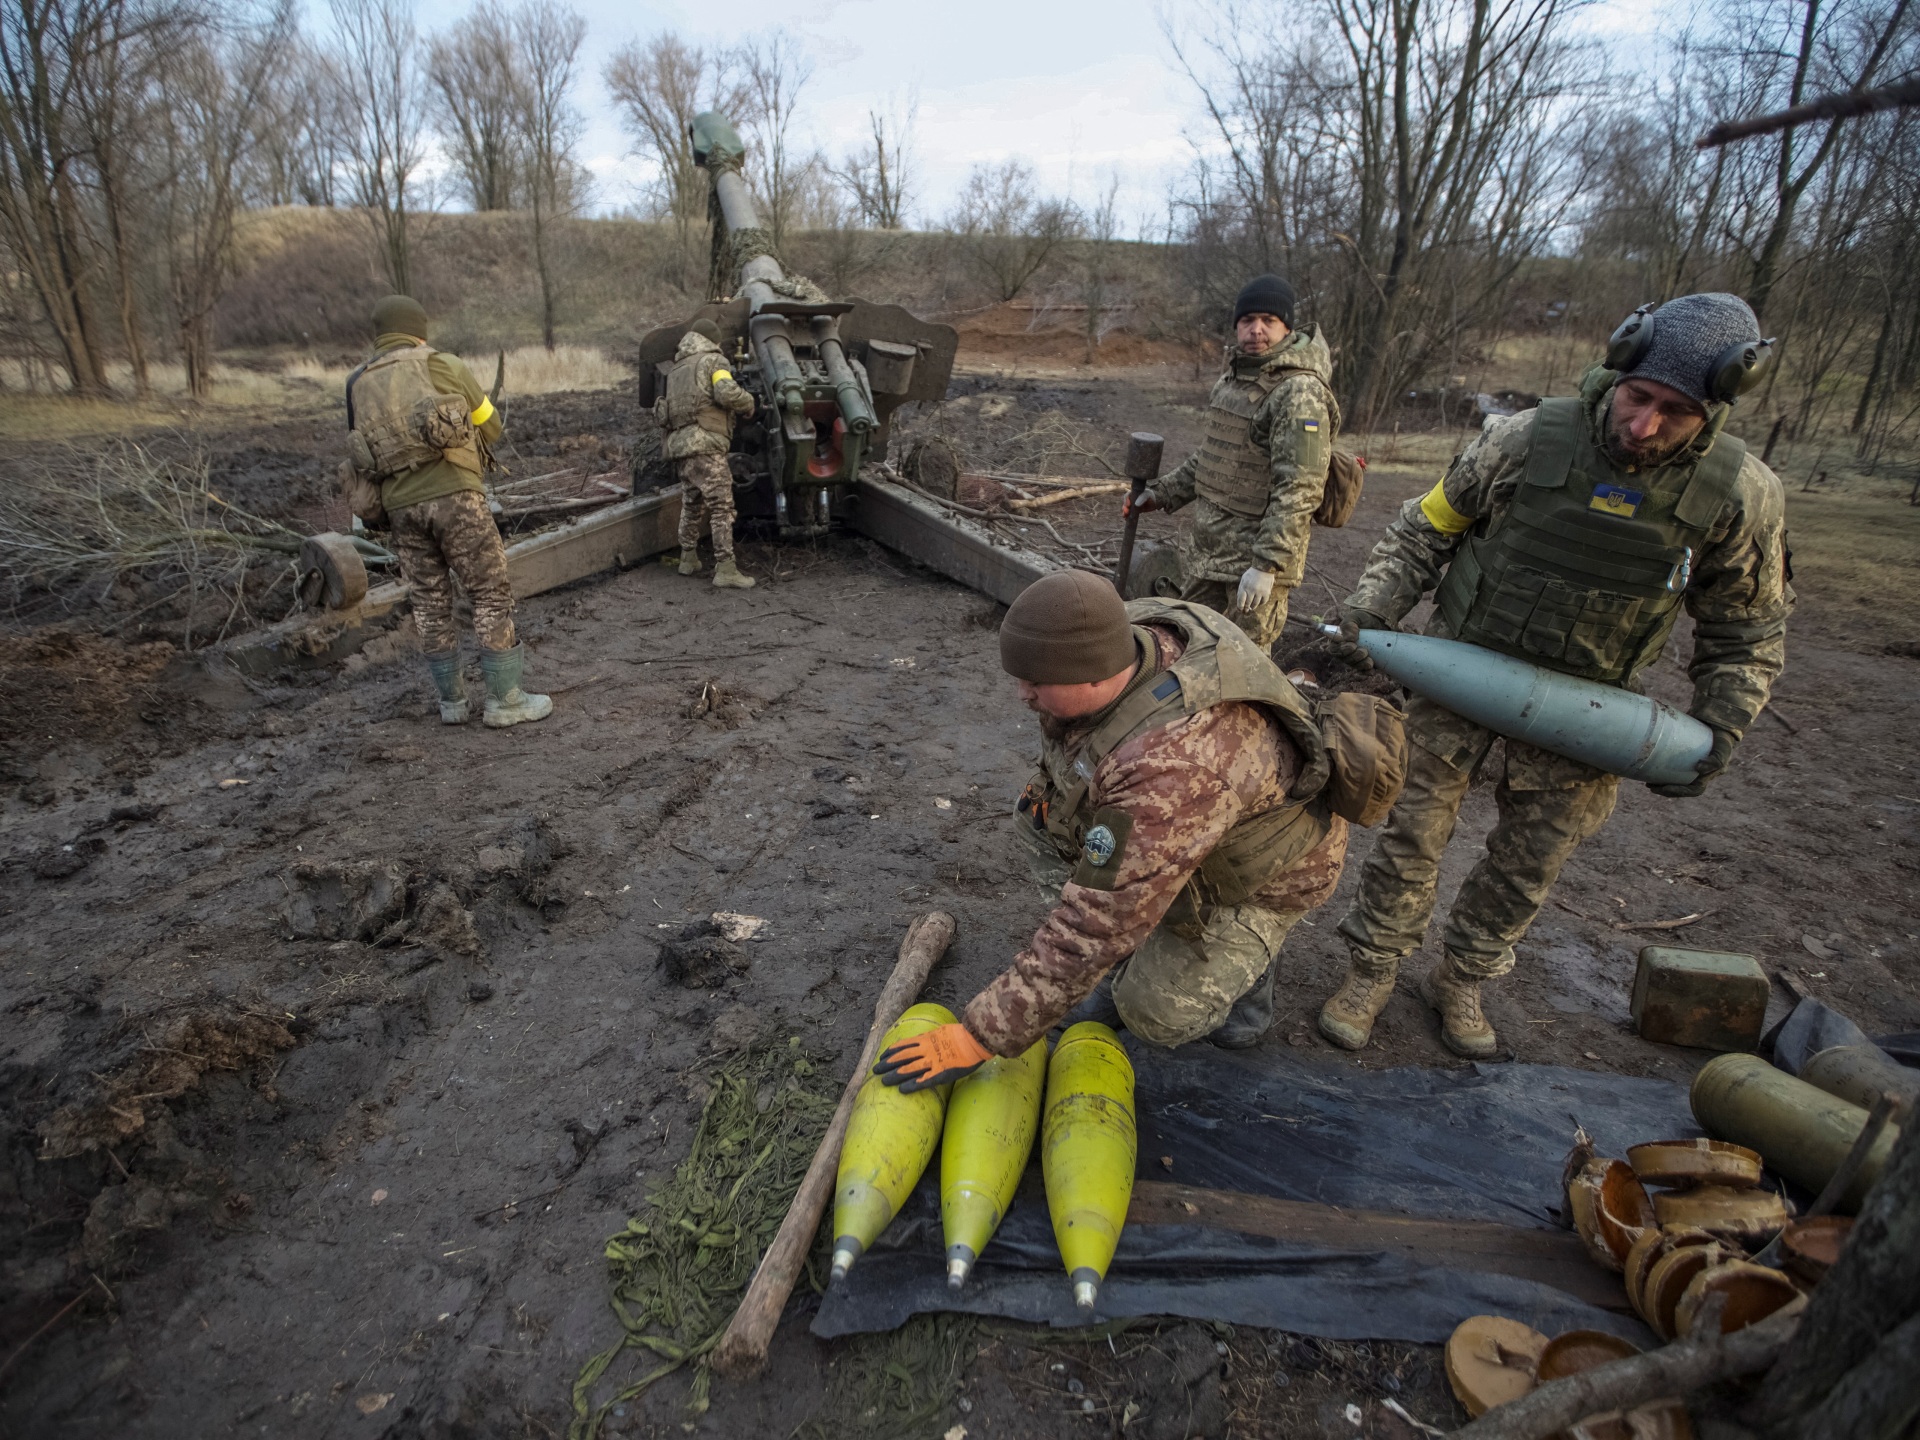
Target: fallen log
[1077, 492]
[742, 1350]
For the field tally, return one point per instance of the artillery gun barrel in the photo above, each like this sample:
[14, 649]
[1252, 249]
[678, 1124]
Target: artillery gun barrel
[853, 401]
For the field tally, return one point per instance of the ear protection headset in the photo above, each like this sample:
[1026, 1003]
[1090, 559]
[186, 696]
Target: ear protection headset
[1734, 371]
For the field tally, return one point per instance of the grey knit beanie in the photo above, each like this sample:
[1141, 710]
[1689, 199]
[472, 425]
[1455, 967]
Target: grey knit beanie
[1690, 334]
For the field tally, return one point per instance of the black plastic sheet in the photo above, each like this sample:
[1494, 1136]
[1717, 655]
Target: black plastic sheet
[1483, 1143]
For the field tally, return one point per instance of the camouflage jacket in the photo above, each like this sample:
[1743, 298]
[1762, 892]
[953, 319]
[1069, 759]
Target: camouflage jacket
[1738, 594]
[700, 400]
[1184, 785]
[1219, 544]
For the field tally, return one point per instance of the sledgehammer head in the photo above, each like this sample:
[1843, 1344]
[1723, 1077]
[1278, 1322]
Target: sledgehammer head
[1143, 455]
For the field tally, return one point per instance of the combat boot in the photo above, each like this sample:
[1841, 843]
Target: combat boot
[690, 561]
[1251, 1016]
[451, 685]
[1456, 995]
[727, 576]
[507, 703]
[1347, 1017]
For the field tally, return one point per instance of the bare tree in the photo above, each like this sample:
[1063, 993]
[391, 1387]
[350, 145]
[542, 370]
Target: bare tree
[777, 68]
[1095, 265]
[45, 48]
[477, 72]
[1437, 143]
[1006, 231]
[218, 87]
[659, 87]
[379, 71]
[548, 36]
[878, 174]
[298, 151]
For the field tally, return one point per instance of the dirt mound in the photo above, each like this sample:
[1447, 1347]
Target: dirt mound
[156, 1074]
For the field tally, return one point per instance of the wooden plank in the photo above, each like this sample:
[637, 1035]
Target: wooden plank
[942, 541]
[1551, 1257]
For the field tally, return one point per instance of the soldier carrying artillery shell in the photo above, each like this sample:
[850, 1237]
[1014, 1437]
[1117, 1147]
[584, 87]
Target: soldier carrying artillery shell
[1571, 536]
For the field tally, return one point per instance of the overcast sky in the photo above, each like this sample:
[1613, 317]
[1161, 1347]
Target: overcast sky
[1082, 91]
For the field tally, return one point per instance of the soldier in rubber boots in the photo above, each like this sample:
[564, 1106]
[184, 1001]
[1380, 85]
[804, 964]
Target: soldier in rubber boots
[1178, 800]
[420, 427]
[1571, 536]
[697, 413]
[1261, 471]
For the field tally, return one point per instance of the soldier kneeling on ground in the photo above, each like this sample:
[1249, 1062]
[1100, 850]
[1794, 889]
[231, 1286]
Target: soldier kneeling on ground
[697, 413]
[1198, 800]
[420, 428]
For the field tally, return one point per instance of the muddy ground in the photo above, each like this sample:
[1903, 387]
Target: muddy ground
[337, 1042]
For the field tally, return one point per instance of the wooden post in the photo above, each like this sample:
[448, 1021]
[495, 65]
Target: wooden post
[742, 1351]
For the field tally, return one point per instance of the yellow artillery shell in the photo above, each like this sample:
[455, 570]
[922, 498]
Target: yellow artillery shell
[1087, 1152]
[991, 1119]
[890, 1139]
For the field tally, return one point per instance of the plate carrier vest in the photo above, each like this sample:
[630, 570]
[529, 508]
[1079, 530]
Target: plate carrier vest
[1220, 665]
[1232, 471]
[400, 422]
[1587, 591]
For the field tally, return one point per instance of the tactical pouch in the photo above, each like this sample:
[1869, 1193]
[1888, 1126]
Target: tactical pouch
[1366, 739]
[1346, 474]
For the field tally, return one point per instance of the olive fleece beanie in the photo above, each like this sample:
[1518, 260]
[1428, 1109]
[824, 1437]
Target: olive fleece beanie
[1067, 628]
[400, 315]
[706, 330]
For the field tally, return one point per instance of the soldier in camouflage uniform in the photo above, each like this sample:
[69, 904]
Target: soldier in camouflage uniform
[1570, 536]
[697, 412]
[1261, 470]
[421, 427]
[1181, 779]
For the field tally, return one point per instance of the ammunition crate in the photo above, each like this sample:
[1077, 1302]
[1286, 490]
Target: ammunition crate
[1703, 998]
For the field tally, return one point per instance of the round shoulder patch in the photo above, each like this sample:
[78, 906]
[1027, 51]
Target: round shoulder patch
[1098, 846]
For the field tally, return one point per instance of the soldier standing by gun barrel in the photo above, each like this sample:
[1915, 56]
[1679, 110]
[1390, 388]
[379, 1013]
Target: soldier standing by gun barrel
[1570, 536]
[697, 414]
[1261, 472]
[419, 427]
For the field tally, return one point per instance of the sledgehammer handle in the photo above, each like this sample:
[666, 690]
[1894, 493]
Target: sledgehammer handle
[1143, 464]
[742, 1351]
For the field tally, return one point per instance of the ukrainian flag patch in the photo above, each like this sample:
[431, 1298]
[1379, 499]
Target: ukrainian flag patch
[1615, 500]
[1311, 427]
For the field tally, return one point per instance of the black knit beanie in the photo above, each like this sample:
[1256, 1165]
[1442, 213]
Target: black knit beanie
[1265, 295]
[1067, 628]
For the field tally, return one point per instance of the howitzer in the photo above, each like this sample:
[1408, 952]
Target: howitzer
[828, 374]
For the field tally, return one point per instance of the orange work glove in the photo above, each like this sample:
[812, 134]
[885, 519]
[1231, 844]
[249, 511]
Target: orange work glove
[939, 1057]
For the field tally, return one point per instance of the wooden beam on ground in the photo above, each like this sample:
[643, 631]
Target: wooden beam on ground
[1551, 1257]
[622, 534]
[954, 546]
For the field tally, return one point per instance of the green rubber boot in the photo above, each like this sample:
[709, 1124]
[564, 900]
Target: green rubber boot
[507, 703]
[727, 576]
[690, 560]
[451, 685]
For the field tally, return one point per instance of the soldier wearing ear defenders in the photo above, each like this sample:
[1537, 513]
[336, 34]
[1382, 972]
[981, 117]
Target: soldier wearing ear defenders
[1570, 535]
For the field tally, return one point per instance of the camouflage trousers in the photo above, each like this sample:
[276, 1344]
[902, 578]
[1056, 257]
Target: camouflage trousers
[1173, 990]
[706, 497]
[447, 537]
[1547, 806]
[1263, 626]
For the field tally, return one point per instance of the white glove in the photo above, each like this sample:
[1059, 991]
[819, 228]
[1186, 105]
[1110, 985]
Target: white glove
[1256, 586]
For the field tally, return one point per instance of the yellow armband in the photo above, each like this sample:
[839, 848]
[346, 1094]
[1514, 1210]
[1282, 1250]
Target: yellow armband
[1441, 515]
[720, 375]
[482, 412]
